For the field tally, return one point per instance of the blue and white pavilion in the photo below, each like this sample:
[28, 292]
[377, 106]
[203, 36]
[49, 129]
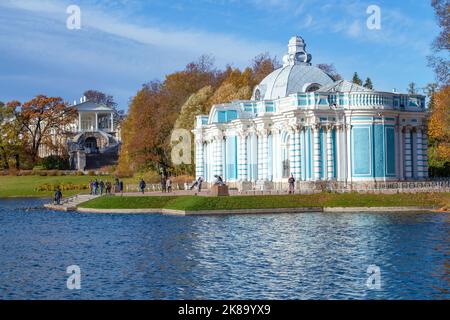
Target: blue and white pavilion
[302, 122]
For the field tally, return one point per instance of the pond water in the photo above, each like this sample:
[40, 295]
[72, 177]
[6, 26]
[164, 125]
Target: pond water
[292, 256]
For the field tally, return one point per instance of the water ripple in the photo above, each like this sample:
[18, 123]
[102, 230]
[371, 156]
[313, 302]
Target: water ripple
[302, 256]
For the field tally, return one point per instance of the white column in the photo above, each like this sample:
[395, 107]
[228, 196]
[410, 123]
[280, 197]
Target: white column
[298, 159]
[112, 122]
[330, 154]
[337, 156]
[199, 156]
[242, 157]
[425, 153]
[79, 122]
[408, 154]
[302, 155]
[292, 146]
[96, 122]
[210, 160]
[260, 156]
[419, 158]
[275, 155]
[265, 154]
[317, 159]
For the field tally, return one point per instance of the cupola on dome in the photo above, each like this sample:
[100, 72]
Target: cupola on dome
[297, 75]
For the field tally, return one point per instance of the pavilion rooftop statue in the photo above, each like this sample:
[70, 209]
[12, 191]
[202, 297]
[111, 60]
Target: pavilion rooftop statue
[301, 122]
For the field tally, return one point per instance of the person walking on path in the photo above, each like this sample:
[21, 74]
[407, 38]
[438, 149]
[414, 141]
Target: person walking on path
[142, 186]
[96, 187]
[163, 184]
[291, 182]
[121, 187]
[169, 184]
[91, 187]
[58, 196]
[102, 187]
[199, 184]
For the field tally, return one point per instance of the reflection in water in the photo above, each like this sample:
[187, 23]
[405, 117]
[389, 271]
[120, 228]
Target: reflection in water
[303, 256]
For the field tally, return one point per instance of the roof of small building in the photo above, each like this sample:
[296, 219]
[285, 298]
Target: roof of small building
[92, 106]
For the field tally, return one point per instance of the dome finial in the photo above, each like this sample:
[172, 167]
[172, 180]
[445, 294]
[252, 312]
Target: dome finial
[297, 52]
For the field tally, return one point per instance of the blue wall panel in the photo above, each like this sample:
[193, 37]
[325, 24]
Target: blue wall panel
[390, 151]
[378, 154]
[361, 151]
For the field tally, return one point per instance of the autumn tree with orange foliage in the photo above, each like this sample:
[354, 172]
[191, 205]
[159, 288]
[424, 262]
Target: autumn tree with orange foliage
[152, 115]
[439, 133]
[41, 119]
[439, 121]
[158, 108]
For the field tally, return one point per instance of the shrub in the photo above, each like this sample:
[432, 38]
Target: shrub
[61, 186]
[55, 163]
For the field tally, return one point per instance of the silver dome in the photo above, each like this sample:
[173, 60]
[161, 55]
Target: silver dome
[296, 75]
[291, 79]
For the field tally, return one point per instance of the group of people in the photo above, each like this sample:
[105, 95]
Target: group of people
[100, 188]
[166, 184]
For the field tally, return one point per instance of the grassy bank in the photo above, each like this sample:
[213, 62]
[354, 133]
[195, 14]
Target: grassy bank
[26, 186]
[268, 202]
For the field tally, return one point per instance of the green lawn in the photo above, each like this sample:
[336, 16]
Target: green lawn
[267, 202]
[12, 186]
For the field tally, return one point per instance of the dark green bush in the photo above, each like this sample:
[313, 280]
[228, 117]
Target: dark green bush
[55, 163]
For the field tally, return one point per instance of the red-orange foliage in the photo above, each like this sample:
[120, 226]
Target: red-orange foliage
[42, 117]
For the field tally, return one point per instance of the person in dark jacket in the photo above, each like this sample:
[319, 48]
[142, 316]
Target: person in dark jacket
[121, 187]
[102, 187]
[142, 186]
[291, 182]
[58, 196]
[163, 184]
[96, 187]
[199, 184]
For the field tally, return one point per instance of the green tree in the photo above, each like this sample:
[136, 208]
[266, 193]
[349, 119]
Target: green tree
[356, 79]
[368, 84]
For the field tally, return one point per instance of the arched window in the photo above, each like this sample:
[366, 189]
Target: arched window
[312, 87]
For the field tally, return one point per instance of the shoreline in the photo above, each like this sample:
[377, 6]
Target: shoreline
[163, 211]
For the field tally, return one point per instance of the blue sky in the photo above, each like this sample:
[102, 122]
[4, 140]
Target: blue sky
[125, 43]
